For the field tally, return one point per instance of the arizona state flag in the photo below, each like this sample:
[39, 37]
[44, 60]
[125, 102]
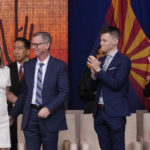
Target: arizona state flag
[135, 45]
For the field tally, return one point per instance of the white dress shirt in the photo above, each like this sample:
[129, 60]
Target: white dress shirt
[18, 66]
[44, 67]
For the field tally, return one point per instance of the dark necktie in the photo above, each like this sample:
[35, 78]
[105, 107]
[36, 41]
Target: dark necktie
[20, 73]
[39, 87]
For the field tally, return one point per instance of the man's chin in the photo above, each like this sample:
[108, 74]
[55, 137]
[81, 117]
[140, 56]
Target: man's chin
[17, 59]
[36, 54]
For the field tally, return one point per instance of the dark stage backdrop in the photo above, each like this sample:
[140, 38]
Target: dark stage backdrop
[85, 20]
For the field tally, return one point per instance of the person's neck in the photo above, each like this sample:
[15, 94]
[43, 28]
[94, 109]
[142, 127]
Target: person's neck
[111, 51]
[43, 57]
[23, 61]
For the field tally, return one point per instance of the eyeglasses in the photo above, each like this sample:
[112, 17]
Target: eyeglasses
[37, 44]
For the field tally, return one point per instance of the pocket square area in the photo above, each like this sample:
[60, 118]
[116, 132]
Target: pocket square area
[112, 68]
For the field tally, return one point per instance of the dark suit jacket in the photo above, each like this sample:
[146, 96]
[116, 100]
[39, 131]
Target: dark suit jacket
[55, 92]
[15, 84]
[114, 85]
[147, 90]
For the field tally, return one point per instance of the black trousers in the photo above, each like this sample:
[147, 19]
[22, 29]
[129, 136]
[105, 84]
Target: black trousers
[13, 130]
[13, 136]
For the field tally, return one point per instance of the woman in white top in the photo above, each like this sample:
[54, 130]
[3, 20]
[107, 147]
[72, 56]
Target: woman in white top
[4, 118]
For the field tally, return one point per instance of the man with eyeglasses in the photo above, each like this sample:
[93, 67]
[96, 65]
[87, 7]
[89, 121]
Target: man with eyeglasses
[44, 90]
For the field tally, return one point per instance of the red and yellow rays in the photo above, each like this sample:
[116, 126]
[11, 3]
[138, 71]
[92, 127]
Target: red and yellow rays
[133, 43]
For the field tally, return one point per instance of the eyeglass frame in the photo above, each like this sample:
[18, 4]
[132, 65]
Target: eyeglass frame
[37, 44]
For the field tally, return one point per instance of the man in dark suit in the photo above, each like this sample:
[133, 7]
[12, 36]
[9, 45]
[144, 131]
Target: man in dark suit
[44, 90]
[110, 80]
[21, 54]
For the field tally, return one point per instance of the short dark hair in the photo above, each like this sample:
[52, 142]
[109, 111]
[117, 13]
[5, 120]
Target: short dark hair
[25, 41]
[114, 31]
[97, 50]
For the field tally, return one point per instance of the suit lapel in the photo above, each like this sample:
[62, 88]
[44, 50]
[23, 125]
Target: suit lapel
[16, 71]
[114, 61]
[48, 70]
[32, 71]
[102, 60]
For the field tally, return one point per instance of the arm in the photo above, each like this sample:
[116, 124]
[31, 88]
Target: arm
[63, 89]
[94, 63]
[11, 97]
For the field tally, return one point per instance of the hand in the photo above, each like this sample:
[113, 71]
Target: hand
[44, 113]
[94, 63]
[148, 78]
[93, 74]
[13, 105]
[11, 97]
[148, 59]
[11, 120]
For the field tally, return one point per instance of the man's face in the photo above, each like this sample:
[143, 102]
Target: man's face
[21, 53]
[39, 46]
[108, 42]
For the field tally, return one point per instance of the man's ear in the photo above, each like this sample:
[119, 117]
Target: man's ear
[116, 41]
[47, 45]
[28, 52]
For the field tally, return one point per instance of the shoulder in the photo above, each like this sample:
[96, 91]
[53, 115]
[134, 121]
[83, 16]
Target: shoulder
[124, 58]
[6, 69]
[12, 65]
[29, 62]
[57, 61]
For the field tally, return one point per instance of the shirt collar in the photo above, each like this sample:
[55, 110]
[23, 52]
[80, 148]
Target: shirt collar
[45, 62]
[114, 53]
[18, 65]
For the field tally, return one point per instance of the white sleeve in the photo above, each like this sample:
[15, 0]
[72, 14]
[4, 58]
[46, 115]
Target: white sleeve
[8, 78]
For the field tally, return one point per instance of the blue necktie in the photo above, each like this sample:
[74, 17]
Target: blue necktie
[106, 62]
[39, 87]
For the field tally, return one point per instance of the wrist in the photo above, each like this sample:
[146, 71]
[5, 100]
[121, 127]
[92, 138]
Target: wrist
[97, 70]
